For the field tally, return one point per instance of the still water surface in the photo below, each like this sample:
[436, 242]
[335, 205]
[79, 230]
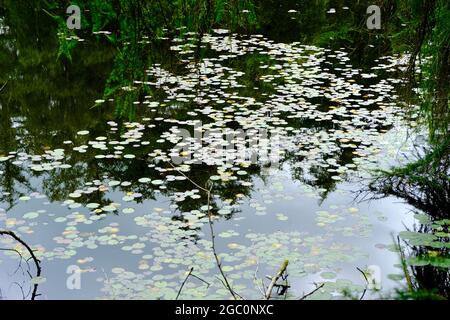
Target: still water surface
[87, 189]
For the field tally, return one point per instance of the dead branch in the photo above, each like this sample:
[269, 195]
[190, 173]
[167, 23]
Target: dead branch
[367, 283]
[312, 292]
[36, 261]
[275, 279]
[213, 237]
[184, 282]
[255, 279]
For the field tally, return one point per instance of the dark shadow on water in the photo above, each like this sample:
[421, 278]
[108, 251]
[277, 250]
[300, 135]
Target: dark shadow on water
[425, 185]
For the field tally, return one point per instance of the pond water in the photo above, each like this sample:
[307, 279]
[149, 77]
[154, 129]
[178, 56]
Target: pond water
[284, 135]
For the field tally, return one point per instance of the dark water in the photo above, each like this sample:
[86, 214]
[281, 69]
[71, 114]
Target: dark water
[98, 184]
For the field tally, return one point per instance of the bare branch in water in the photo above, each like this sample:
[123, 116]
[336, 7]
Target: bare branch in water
[312, 292]
[184, 282]
[279, 274]
[367, 283]
[213, 237]
[36, 261]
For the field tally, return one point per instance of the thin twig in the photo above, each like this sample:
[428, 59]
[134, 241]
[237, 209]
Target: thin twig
[191, 181]
[213, 237]
[19, 266]
[213, 243]
[3, 87]
[312, 292]
[404, 266]
[191, 274]
[202, 280]
[184, 282]
[367, 283]
[225, 285]
[255, 278]
[21, 289]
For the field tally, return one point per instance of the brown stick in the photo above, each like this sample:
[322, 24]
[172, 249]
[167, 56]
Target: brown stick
[312, 292]
[184, 282]
[367, 283]
[275, 279]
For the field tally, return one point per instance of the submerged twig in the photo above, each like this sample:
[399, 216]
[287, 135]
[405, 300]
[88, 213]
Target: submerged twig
[213, 237]
[216, 256]
[405, 266]
[225, 285]
[109, 283]
[184, 282]
[255, 278]
[191, 274]
[21, 289]
[367, 282]
[19, 266]
[312, 292]
[202, 280]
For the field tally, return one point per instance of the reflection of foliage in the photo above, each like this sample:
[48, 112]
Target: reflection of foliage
[46, 100]
[250, 65]
[427, 37]
[424, 183]
[12, 178]
[131, 21]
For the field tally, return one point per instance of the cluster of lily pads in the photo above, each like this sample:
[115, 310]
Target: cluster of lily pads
[317, 107]
[435, 236]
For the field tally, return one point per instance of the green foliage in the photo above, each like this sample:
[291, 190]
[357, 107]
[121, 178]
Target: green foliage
[426, 36]
[132, 20]
[419, 295]
[403, 29]
[102, 14]
[66, 43]
[424, 183]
